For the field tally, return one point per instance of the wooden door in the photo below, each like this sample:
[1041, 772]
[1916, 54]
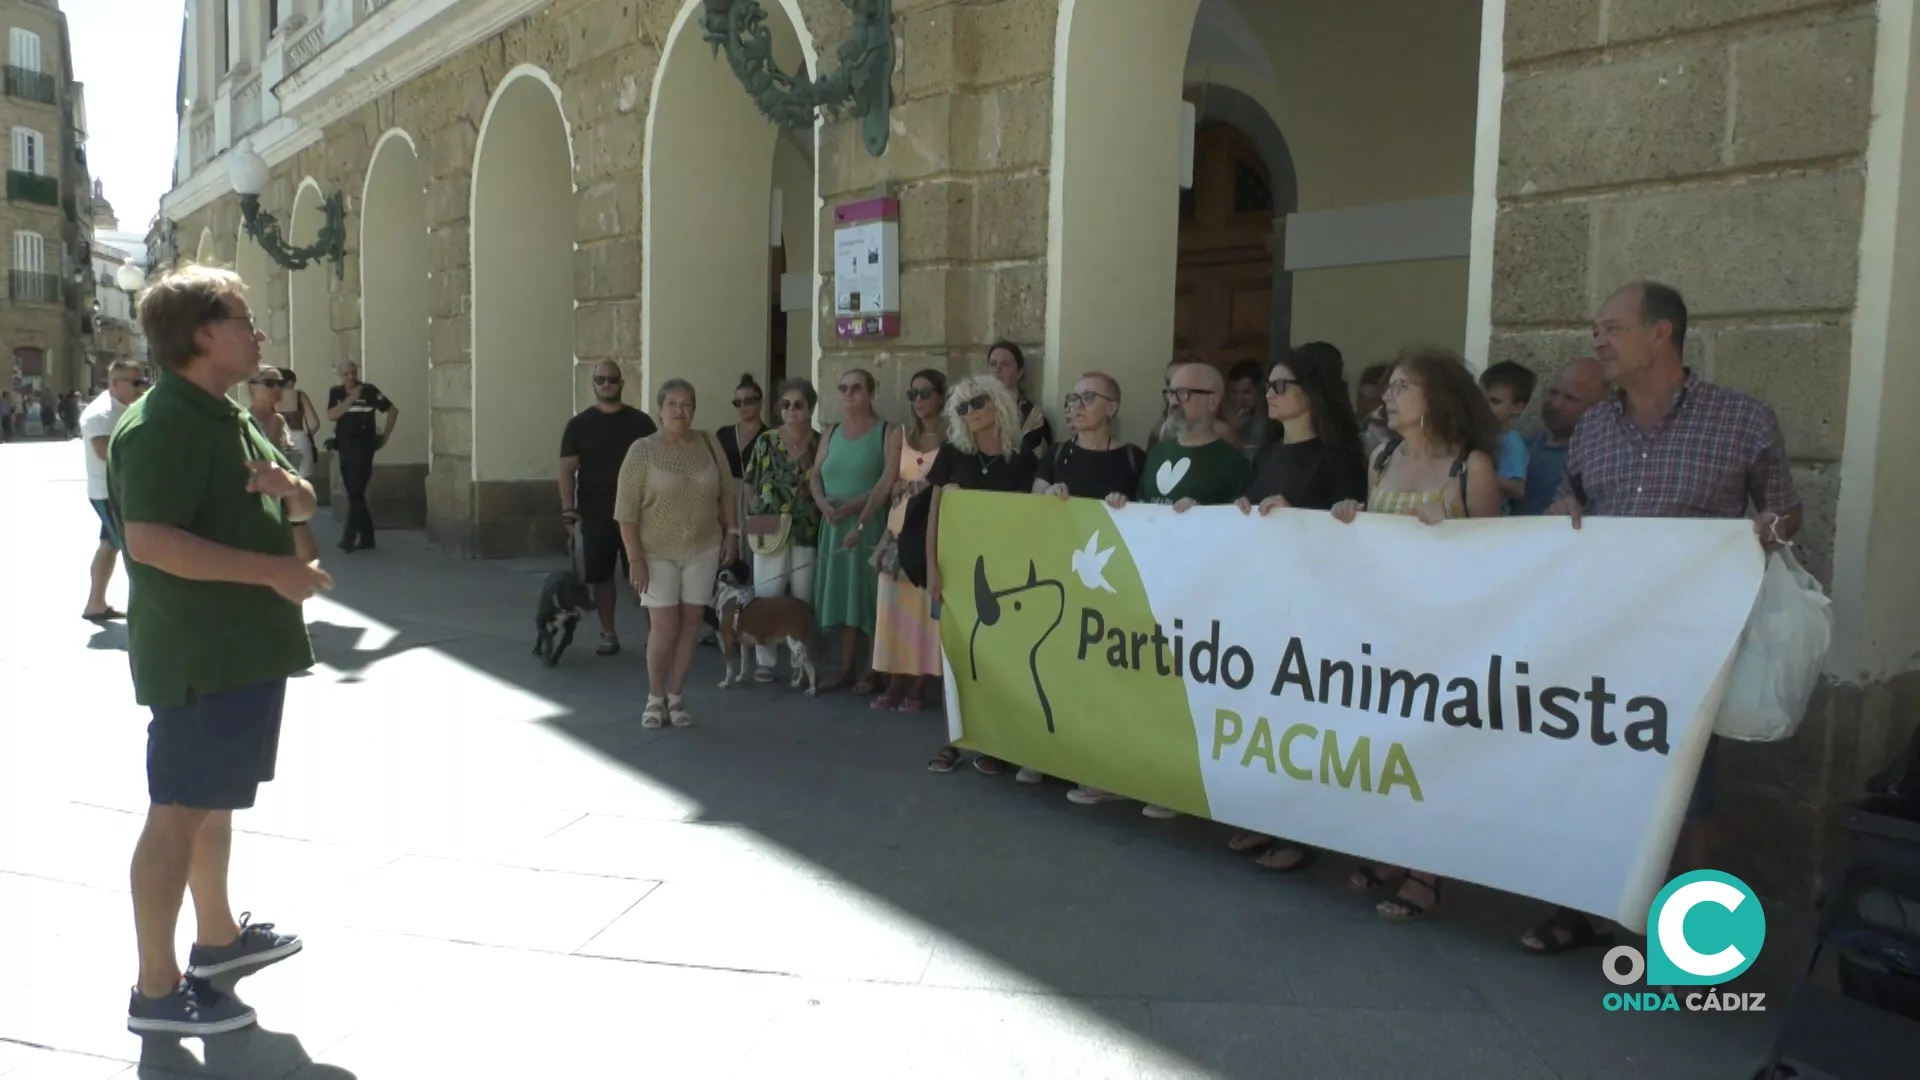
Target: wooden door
[776, 327]
[1223, 290]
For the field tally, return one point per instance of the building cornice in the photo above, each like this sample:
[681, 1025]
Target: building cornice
[394, 45]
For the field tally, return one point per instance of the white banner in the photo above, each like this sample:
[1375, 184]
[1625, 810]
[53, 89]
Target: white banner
[1510, 702]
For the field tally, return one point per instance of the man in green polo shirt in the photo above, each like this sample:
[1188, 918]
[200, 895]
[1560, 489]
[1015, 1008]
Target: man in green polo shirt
[206, 508]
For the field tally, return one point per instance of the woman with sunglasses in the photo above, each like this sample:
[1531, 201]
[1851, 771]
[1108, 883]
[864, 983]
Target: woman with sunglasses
[983, 453]
[906, 639]
[263, 404]
[783, 524]
[1094, 463]
[737, 438]
[849, 486]
[1309, 459]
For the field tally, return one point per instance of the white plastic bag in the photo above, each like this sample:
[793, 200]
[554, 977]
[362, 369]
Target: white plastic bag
[1782, 652]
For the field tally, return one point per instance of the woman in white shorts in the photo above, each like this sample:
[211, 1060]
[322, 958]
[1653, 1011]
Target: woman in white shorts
[676, 511]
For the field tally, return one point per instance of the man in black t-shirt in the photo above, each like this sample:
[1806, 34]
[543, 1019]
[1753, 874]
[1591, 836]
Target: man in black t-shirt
[351, 406]
[592, 449]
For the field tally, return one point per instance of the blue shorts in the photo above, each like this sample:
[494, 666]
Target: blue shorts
[214, 752]
[108, 533]
[1700, 804]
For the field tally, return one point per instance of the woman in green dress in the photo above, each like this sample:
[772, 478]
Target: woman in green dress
[849, 487]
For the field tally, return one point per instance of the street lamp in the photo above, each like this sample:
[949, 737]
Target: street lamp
[862, 86]
[129, 278]
[248, 175]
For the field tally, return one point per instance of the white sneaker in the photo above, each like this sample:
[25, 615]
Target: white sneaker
[1159, 812]
[1028, 776]
[1092, 796]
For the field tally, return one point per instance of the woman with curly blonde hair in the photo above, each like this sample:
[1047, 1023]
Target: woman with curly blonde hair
[983, 453]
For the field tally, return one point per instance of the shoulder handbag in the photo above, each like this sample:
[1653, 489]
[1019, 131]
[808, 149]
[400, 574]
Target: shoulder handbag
[769, 534]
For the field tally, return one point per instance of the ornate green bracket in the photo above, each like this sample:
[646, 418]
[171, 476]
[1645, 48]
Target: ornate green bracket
[861, 86]
[330, 243]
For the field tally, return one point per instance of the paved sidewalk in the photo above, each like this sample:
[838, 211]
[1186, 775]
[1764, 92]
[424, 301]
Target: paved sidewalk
[498, 873]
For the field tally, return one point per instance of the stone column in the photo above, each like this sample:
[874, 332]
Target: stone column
[972, 134]
[1720, 147]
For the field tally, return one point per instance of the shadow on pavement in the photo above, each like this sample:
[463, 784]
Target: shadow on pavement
[112, 636]
[1152, 926]
[248, 1054]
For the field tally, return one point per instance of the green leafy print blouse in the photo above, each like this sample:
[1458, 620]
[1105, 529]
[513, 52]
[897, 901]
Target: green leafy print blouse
[781, 485]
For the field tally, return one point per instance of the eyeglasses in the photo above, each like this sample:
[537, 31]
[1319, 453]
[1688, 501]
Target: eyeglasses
[793, 404]
[852, 388]
[1085, 397]
[1180, 395]
[271, 384]
[248, 319]
[921, 393]
[607, 380]
[745, 402]
[1281, 386]
[973, 404]
[1396, 388]
[138, 383]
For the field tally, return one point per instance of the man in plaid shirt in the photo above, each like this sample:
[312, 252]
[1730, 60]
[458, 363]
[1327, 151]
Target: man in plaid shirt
[1668, 444]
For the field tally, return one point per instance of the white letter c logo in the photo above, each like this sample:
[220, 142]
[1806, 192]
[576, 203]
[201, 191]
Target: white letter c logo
[1672, 928]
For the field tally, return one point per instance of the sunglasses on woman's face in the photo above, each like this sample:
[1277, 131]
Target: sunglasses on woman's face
[793, 404]
[271, 384]
[975, 404]
[852, 388]
[1281, 386]
[920, 393]
[746, 403]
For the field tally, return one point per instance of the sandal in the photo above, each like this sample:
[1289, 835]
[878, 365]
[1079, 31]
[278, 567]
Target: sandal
[655, 713]
[1402, 908]
[945, 760]
[104, 616]
[1248, 841]
[989, 766]
[1369, 878]
[884, 702]
[764, 675]
[609, 645]
[1566, 931]
[677, 713]
[1284, 858]
[912, 705]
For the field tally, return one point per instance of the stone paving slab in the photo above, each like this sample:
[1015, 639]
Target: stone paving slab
[500, 874]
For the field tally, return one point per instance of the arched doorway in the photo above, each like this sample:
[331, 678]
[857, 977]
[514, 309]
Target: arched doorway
[1233, 294]
[712, 166]
[393, 323]
[523, 355]
[309, 314]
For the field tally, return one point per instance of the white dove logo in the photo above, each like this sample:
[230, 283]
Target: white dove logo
[1090, 563]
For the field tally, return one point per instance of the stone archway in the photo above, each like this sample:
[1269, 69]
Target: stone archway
[309, 303]
[393, 323]
[1113, 248]
[522, 304]
[708, 181]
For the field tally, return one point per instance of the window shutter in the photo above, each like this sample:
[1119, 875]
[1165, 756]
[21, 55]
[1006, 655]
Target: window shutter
[25, 49]
[29, 151]
[29, 253]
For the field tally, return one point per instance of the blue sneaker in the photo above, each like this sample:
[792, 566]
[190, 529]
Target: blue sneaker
[257, 946]
[194, 1008]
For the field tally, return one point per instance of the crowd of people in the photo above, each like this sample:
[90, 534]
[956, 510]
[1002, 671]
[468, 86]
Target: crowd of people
[835, 516]
[216, 531]
[39, 414]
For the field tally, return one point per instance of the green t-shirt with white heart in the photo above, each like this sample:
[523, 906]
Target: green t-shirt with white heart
[1212, 474]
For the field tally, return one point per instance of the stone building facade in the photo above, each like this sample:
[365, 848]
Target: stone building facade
[46, 323]
[538, 185]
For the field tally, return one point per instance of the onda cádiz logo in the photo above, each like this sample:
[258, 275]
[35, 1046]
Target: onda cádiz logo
[1704, 929]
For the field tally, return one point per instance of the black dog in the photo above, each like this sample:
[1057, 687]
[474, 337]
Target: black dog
[563, 600]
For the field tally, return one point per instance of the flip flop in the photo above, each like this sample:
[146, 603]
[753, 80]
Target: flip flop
[1580, 934]
[101, 617]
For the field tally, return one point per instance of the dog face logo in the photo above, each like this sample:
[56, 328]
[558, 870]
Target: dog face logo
[1015, 621]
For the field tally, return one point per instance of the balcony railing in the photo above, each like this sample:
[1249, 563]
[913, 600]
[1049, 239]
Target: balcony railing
[246, 106]
[202, 139]
[32, 85]
[307, 46]
[32, 187]
[34, 288]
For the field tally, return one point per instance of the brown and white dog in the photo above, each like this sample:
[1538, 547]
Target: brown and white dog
[747, 620]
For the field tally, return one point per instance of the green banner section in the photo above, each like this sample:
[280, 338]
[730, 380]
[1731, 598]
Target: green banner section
[1050, 643]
